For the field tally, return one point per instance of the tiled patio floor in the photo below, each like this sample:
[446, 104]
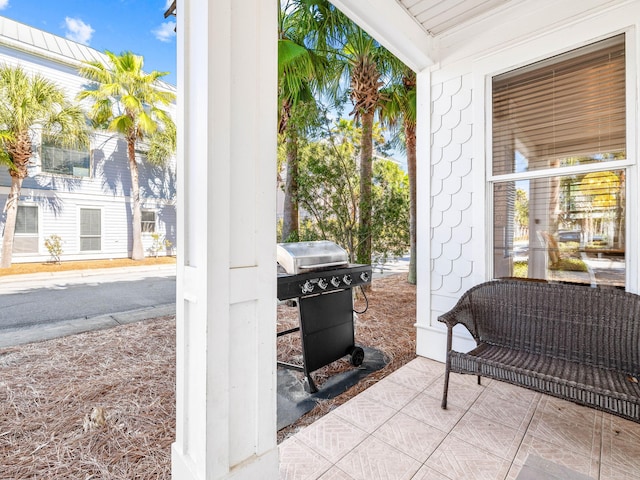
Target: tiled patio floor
[397, 430]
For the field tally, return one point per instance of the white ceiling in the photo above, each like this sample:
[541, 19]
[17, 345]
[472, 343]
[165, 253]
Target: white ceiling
[437, 16]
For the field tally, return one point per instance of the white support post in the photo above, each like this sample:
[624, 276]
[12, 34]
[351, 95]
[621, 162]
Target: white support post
[226, 302]
[429, 342]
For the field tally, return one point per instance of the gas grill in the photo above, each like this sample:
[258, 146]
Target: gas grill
[318, 275]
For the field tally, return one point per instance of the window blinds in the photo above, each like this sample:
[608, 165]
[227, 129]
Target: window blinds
[566, 110]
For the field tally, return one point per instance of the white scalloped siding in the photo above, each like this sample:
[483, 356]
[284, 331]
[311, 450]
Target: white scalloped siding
[452, 259]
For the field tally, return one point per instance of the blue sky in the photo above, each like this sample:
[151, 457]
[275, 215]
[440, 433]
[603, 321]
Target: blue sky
[115, 25]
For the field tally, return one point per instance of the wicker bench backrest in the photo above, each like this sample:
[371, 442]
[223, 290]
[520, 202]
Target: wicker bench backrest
[589, 325]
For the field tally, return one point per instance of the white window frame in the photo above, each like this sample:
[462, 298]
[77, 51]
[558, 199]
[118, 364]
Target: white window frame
[80, 236]
[155, 221]
[72, 174]
[38, 225]
[527, 53]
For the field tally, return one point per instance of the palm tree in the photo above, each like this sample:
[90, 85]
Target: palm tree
[129, 101]
[366, 64]
[398, 105]
[302, 75]
[30, 103]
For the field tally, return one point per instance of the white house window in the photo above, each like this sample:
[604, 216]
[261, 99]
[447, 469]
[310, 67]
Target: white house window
[65, 161]
[558, 176]
[26, 236]
[148, 219]
[90, 229]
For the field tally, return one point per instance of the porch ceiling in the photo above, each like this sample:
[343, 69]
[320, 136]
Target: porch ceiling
[409, 28]
[437, 16]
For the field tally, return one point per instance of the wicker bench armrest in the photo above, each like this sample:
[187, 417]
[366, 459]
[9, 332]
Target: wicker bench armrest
[460, 314]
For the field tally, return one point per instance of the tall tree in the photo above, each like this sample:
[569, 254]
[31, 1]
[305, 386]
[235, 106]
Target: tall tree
[365, 63]
[30, 103]
[131, 102]
[302, 76]
[398, 107]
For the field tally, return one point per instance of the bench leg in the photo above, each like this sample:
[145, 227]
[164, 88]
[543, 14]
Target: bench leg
[447, 368]
[479, 383]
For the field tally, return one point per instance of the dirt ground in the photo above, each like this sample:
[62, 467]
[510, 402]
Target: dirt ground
[101, 405]
[49, 267]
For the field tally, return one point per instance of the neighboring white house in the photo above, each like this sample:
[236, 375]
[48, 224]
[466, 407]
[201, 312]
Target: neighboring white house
[479, 141]
[82, 196]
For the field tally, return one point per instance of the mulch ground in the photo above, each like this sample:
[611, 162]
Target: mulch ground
[101, 405]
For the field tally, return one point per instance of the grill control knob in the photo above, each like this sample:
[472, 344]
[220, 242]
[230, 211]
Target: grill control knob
[307, 287]
[335, 281]
[347, 279]
[364, 276]
[323, 284]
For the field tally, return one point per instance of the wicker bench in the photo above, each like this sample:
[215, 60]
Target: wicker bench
[574, 342]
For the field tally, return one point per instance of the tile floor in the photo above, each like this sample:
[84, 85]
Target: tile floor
[397, 430]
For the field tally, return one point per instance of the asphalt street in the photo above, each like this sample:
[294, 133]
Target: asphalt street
[38, 307]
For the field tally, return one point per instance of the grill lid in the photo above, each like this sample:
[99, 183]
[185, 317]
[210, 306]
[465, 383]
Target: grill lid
[301, 257]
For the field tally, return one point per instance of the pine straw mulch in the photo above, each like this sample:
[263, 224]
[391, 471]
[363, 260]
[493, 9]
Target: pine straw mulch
[101, 405]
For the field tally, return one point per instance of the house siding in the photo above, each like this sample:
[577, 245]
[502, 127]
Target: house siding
[459, 210]
[108, 187]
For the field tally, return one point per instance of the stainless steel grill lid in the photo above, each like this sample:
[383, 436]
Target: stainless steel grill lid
[301, 257]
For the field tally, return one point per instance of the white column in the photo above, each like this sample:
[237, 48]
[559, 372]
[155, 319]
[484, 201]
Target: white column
[226, 305]
[429, 341]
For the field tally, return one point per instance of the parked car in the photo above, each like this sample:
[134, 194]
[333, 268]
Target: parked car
[569, 236]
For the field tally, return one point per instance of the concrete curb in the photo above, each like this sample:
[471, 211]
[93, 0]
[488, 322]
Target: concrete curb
[36, 333]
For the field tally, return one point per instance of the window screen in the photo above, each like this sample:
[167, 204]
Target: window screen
[26, 235]
[148, 218]
[27, 220]
[90, 229]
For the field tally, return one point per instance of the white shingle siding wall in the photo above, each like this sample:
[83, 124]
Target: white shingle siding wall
[451, 187]
[61, 197]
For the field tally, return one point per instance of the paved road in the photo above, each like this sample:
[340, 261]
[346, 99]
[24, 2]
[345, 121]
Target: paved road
[43, 306]
[36, 307]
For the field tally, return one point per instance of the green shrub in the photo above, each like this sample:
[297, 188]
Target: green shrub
[54, 247]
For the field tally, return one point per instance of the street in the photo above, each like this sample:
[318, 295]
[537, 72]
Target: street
[39, 301]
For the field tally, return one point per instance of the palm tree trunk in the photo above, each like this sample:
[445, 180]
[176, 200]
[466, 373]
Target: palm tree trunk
[137, 251]
[366, 173]
[410, 139]
[11, 210]
[290, 230]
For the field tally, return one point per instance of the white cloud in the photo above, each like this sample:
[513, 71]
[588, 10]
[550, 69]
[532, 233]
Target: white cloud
[77, 30]
[165, 32]
[4, 4]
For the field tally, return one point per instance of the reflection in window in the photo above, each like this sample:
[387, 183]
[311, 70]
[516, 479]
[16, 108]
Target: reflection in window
[566, 228]
[65, 161]
[558, 178]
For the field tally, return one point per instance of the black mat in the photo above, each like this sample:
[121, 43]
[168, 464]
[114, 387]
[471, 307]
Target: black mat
[294, 401]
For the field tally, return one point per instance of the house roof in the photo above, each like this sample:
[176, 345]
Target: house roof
[47, 45]
[32, 40]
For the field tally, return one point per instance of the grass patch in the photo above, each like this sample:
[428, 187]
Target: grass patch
[47, 267]
[569, 265]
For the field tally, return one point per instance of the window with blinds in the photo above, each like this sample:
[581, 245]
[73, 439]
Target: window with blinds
[564, 111]
[559, 161]
[90, 229]
[26, 235]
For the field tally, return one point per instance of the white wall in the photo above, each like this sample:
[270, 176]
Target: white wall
[457, 207]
